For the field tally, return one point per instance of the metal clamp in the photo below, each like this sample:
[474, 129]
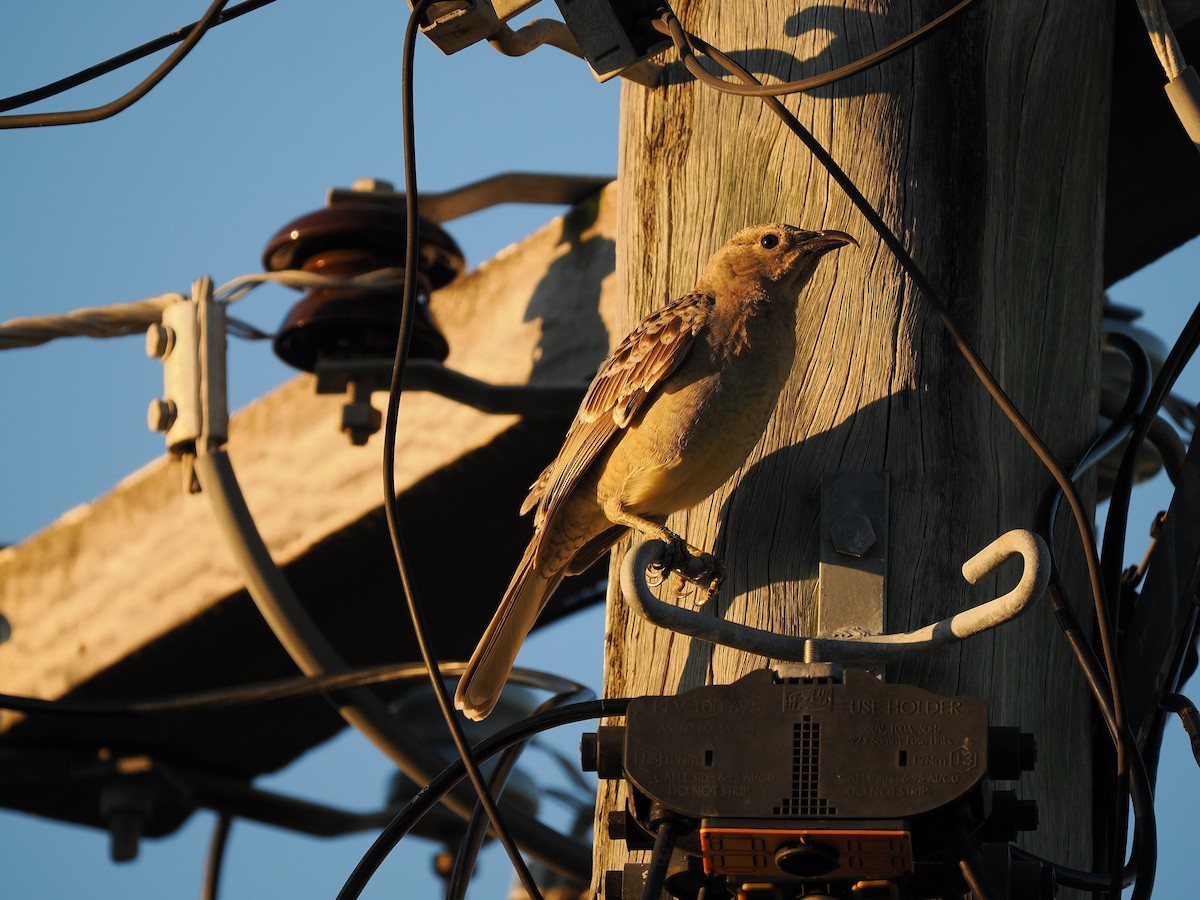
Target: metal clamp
[595, 34]
[362, 377]
[865, 649]
[193, 412]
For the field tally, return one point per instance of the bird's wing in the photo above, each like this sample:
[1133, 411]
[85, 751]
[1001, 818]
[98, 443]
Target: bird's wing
[622, 387]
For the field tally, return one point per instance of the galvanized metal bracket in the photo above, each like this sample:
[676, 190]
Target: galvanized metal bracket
[193, 413]
[852, 590]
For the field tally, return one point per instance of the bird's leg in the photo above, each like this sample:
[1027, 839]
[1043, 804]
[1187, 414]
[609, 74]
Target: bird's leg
[688, 562]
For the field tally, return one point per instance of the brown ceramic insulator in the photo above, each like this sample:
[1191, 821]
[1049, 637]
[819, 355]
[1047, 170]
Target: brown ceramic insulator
[345, 323]
[377, 229]
[351, 239]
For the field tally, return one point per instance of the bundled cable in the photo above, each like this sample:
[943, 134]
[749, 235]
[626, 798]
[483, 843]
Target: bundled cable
[407, 818]
[122, 103]
[91, 73]
[117, 320]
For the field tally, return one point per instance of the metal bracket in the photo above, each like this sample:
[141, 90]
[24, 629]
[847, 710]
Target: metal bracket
[852, 589]
[193, 412]
[504, 187]
[866, 649]
[595, 31]
[362, 377]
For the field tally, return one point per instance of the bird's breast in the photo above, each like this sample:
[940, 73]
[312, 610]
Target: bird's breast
[695, 434]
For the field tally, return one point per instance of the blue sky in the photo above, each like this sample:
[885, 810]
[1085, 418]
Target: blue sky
[247, 133]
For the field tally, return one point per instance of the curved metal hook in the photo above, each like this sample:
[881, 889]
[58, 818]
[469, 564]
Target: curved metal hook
[860, 650]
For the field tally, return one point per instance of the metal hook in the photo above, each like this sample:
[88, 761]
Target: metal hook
[861, 650]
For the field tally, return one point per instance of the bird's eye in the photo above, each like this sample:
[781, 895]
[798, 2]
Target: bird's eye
[769, 241]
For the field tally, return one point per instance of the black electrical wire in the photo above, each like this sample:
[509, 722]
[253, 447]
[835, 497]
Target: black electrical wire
[1118, 508]
[665, 836]
[25, 98]
[669, 24]
[411, 260]
[408, 817]
[1143, 859]
[263, 692]
[1172, 700]
[472, 840]
[1143, 862]
[1141, 374]
[1139, 391]
[216, 857]
[1188, 717]
[1065, 875]
[1112, 562]
[971, 864]
[1178, 676]
[140, 90]
[1085, 657]
[807, 84]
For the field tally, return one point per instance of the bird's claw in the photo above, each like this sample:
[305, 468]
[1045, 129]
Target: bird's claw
[689, 565]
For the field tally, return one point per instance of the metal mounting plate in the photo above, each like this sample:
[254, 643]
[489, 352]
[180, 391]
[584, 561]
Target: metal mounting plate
[854, 541]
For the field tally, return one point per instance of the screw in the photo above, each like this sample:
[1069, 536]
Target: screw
[160, 340]
[161, 415]
[852, 535]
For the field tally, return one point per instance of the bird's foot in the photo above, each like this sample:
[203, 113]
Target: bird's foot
[689, 565]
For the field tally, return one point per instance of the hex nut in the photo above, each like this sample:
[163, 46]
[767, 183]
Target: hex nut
[160, 341]
[852, 534]
[161, 415]
[360, 420]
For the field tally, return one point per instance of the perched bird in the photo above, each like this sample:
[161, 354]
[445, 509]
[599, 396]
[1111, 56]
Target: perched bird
[670, 416]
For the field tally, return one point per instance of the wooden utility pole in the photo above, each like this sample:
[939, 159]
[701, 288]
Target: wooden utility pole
[984, 149]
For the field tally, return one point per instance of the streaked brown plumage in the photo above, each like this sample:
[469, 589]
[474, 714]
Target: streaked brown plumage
[670, 416]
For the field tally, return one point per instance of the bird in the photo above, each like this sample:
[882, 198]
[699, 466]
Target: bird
[670, 415]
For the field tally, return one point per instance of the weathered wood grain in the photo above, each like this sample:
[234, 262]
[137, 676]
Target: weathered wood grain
[984, 150]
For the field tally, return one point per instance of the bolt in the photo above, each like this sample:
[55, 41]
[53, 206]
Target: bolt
[852, 535]
[160, 340]
[589, 749]
[373, 186]
[360, 420]
[125, 808]
[161, 415]
[5, 629]
[617, 823]
[614, 883]
[812, 651]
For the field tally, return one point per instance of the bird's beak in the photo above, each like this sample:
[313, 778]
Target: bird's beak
[824, 241]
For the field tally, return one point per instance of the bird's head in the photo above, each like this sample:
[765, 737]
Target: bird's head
[774, 254]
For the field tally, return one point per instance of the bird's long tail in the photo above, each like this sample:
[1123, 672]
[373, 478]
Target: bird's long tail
[493, 659]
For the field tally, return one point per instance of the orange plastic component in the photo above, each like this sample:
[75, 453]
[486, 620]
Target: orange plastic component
[859, 853]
